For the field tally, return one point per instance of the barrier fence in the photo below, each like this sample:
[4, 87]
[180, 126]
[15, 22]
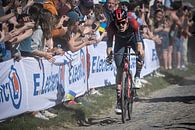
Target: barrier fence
[36, 84]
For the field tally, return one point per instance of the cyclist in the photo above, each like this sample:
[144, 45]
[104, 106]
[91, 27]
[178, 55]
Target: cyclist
[126, 33]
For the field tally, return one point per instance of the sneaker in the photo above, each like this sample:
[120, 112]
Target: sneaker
[183, 67]
[40, 116]
[143, 81]
[170, 67]
[49, 114]
[138, 83]
[94, 91]
[178, 67]
[118, 108]
[159, 74]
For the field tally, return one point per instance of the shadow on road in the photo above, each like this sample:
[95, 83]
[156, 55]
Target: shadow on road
[103, 121]
[174, 79]
[182, 126]
[82, 120]
[97, 121]
[187, 82]
[184, 99]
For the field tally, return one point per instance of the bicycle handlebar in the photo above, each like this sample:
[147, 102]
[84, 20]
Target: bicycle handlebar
[134, 54]
[109, 58]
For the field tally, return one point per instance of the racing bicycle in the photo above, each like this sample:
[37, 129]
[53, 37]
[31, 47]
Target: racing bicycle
[127, 90]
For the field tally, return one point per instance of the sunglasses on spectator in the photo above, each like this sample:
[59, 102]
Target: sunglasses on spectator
[159, 2]
[122, 22]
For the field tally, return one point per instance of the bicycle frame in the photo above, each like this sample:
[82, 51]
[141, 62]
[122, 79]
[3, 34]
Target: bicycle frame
[126, 66]
[126, 90]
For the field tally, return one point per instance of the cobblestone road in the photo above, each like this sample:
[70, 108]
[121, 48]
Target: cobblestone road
[170, 108]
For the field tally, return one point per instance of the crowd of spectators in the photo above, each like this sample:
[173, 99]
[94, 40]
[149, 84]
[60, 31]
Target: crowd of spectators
[171, 21]
[45, 28]
[166, 22]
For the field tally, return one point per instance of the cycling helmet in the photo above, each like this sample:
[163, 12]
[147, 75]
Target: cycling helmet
[119, 14]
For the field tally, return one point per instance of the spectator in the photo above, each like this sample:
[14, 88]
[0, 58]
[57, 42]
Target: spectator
[42, 32]
[100, 23]
[157, 5]
[109, 7]
[64, 6]
[83, 10]
[73, 36]
[174, 21]
[165, 41]
[179, 40]
[186, 34]
[51, 6]
[2, 45]
[4, 10]
[159, 30]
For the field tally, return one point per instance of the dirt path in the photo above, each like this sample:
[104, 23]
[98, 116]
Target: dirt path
[169, 108]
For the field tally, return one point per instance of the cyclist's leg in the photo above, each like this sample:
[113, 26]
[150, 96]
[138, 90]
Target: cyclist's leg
[118, 82]
[139, 59]
[138, 47]
[119, 65]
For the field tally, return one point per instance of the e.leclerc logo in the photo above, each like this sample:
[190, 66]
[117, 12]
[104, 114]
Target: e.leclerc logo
[15, 88]
[77, 71]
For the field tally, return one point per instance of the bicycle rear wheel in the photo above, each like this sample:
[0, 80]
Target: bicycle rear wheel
[124, 96]
[131, 93]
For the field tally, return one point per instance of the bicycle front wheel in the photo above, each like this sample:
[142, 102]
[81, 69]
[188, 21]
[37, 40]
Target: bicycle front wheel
[131, 93]
[124, 96]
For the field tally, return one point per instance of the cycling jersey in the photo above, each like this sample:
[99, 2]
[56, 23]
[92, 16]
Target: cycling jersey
[122, 39]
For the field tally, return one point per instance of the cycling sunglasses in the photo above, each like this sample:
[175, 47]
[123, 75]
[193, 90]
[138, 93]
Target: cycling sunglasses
[159, 2]
[122, 22]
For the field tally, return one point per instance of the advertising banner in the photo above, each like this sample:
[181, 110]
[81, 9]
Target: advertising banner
[13, 91]
[76, 72]
[151, 60]
[44, 86]
[101, 73]
[36, 84]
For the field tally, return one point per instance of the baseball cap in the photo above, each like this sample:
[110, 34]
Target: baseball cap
[73, 16]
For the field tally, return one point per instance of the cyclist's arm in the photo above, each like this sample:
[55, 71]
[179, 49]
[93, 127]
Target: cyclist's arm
[110, 35]
[139, 43]
[138, 36]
